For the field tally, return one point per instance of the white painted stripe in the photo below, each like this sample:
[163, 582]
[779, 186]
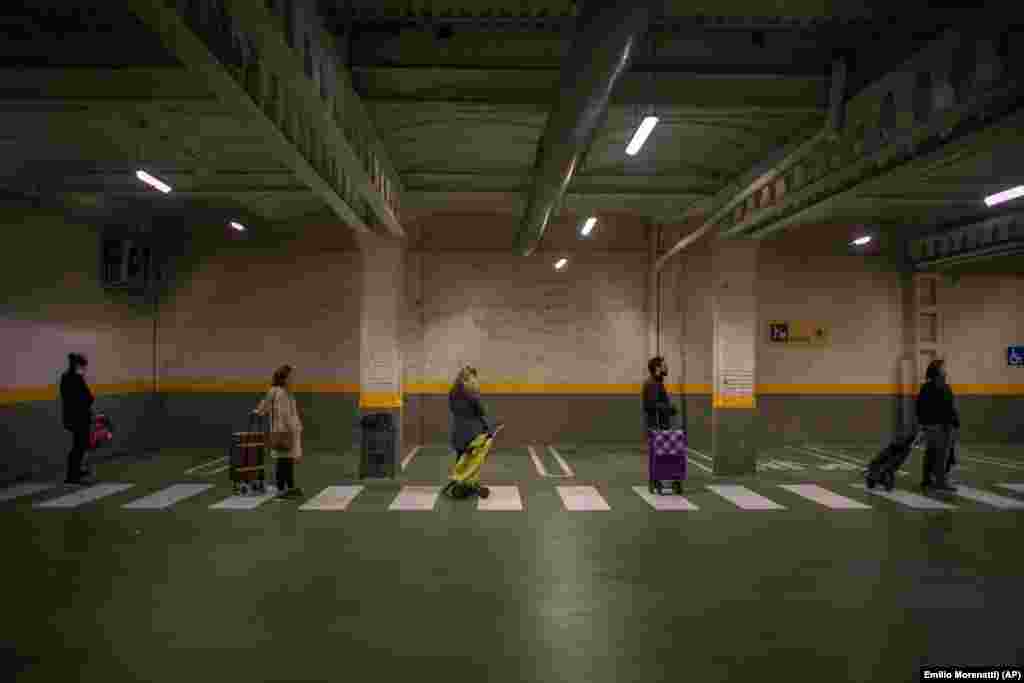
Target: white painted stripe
[825, 497]
[216, 471]
[1019, 488]
[246, 502]
[691, 461]
[907, 498]
[582, 499]
[808, 451]
[502, 498]
[409, 457]
[215, 461]
[85, 495]
[744, 498]
[333, 498]
[168, 497]
[698, 453]
[697, 464]
[664, 502]
[1001, 502]
[416, 498]
[562, 463]
[990, 461]
[536, 462]
[26, 489]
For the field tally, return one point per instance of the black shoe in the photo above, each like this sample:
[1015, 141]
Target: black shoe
[484, 492]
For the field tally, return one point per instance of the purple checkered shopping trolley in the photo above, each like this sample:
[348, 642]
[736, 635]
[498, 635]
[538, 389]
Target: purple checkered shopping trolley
[666, 457]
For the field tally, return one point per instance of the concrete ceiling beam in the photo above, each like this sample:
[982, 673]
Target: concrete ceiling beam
[951, 91]
[284, 76]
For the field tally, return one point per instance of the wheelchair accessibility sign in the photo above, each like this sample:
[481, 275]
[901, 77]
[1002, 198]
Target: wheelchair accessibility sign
[1015, 356]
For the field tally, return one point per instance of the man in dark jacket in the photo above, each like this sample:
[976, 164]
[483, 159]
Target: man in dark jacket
[76, 408]
[657, 409]
[938, 417]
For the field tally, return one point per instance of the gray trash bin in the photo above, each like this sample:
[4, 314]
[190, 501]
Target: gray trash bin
[378, 456]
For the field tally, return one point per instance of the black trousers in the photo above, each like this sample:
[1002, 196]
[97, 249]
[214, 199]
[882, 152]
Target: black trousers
[79, 445]
[285, 473]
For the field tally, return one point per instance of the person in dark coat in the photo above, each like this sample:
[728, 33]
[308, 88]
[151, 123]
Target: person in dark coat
[938, 417]
[658, 411]
[76, 408]
[468, 417]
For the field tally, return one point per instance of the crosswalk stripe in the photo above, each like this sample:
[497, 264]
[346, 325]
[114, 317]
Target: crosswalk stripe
[246, 502]
[333, 498]
[744, 498]
[502, 498]
[825, 497]
[416, 498]
[168, 497]
[26, 489]
[664, 502]
[1001, 502]
[85, 495]
[907, 498]
[1019, 488]
[582, 499]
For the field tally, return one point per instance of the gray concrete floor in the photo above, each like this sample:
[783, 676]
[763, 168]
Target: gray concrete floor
[104, 593]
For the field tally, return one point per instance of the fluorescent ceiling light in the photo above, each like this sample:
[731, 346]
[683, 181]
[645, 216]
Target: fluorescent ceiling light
[561, 263]
[640, 136]
[1005, 195]
[861, 241]
[237, 226]
[153, 182]
[589, 225]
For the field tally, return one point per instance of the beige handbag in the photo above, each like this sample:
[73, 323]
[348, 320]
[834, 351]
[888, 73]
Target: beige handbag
[279, 441]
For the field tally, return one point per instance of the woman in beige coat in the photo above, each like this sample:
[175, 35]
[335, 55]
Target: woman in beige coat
[284, 417]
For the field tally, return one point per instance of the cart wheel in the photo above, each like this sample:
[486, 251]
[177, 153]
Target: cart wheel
[243, 489]
[650, 486]
[261, 487]
[677, 486]
[890, 481]
[869, 481]
[657, 485]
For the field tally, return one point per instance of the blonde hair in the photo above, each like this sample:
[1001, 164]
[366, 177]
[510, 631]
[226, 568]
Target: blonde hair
[467, 379]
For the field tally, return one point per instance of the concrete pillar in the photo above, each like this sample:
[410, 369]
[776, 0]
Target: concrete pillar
[653, 280]
[380, 375]
[735, 429]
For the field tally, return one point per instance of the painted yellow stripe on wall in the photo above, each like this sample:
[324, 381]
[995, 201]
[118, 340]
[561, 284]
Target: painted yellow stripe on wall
[733, 402]
[11, 395]
[377, 400]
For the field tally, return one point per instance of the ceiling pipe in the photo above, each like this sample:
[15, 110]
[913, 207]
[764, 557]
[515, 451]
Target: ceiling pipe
[833, 127]
[607, 35]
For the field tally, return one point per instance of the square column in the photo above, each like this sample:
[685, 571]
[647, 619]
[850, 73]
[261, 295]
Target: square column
[380, 372]
[735, 428]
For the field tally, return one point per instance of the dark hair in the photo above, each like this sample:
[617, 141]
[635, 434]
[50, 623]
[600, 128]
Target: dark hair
[653, 363]
[77, 360]
[281, 375]
[933, 369]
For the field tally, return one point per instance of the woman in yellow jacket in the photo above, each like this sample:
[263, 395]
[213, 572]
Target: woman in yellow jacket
[284, 417]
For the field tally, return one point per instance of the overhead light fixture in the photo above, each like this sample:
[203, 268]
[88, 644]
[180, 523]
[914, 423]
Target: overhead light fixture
[153, 182]
[588, 226]
[640, 136]
[561, 263]
[861, 241]
[237, 226]
[1005, 195]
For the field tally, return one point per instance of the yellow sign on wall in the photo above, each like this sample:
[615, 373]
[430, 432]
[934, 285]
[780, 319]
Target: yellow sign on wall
[798, 333]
